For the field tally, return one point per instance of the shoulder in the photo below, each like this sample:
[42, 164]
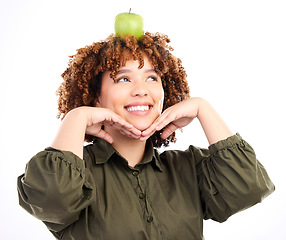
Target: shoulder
[182, 159]
[191, 153]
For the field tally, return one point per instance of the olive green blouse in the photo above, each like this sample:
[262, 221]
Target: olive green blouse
[166, 196]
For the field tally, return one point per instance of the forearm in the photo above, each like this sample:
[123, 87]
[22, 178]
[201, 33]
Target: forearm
[70, 136]
[214, 127]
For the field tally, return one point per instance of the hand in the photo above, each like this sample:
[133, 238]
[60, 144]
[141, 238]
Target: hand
[103, 116]
[82, 120]
[174, 117]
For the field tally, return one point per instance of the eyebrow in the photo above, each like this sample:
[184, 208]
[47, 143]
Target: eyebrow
[126, 70]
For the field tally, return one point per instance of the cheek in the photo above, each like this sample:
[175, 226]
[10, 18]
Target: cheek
[112, 97]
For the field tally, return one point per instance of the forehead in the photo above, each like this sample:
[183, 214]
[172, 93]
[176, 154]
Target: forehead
[136, 64]
[132, 67]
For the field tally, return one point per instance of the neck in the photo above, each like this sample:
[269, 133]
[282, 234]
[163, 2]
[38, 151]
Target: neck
[131, 149]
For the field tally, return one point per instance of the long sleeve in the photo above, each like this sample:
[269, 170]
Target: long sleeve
[55, 188]
[231, 179]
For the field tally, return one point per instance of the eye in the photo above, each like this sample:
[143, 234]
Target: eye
[152, 79]
[122, 79]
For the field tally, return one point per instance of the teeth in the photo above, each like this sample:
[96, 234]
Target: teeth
[138, 108]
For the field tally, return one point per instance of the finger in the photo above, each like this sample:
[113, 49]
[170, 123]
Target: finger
[119, 123]
[169, 130]
[104, 135]
[129, 134]
[167, 121]
[145, 138]
[152, 128]
[148, 132]
[126, 130]
[165, 134]
[162, 121]
[135, 131]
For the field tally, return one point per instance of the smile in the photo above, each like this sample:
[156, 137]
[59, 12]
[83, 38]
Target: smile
[138, 108]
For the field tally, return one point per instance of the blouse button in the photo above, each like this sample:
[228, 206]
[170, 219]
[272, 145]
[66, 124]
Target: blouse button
[150, 219]
[142, 195]
[135, 173]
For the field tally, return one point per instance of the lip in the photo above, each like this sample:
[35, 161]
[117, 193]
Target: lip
[138, 112]
[138, 104]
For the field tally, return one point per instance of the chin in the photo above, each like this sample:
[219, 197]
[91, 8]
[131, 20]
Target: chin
[141, 126]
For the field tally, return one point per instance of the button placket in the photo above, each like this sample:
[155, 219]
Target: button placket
[142, 196]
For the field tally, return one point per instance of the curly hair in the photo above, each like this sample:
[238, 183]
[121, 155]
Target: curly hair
[82, 78]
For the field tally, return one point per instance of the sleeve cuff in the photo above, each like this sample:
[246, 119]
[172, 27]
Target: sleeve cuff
[224, 144]
[68, 156]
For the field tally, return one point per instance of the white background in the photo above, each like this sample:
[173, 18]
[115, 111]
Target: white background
[234, 53]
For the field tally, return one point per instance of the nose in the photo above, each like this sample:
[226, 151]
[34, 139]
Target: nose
[139, 90]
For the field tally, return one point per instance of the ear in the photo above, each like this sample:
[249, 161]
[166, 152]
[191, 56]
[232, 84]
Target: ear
[97, 103]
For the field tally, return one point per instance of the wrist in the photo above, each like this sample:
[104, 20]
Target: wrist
[200, 104]
[203, 107]
[70, 136]
[79, 116]
[212, 124]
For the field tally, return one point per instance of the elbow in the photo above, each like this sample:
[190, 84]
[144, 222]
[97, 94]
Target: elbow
[254, 193]
[261, 189]
[260, 185]
[50, 203]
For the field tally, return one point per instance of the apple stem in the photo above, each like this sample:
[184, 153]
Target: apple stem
[129, 10]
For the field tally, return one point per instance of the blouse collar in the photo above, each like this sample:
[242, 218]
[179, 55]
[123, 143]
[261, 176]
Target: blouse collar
[103, 151]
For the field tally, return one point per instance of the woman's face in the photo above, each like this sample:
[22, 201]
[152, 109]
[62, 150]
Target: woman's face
[136, 94]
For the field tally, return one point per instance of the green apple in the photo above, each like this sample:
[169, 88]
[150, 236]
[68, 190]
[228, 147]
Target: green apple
[129, 24]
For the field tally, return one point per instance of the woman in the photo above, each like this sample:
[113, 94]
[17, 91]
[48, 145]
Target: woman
[129, 96]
